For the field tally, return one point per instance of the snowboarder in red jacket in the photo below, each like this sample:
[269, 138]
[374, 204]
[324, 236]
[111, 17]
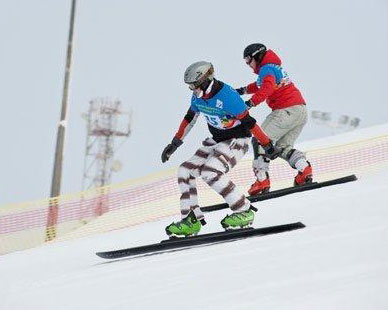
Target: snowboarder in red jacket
[286, 121]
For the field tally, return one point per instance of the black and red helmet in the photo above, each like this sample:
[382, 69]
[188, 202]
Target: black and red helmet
[255, 51]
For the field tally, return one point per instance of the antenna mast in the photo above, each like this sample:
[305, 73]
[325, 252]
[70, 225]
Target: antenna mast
[105, 125]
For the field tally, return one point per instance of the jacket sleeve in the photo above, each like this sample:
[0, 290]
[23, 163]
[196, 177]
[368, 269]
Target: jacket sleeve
[252, 88]
[187, 123]
[250, 123]
[267, 88]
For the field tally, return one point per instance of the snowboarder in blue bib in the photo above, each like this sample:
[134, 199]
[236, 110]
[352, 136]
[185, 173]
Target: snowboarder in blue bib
[231, 128]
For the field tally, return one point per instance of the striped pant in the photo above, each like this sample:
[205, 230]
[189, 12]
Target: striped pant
[211, 162]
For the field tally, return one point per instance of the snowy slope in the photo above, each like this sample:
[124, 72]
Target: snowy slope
[339, 261]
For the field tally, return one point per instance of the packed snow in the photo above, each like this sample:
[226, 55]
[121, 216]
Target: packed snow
[339, 261]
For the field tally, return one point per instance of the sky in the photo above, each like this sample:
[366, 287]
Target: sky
[137, 51]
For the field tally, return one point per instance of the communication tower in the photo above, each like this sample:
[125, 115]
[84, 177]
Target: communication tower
[107, 128]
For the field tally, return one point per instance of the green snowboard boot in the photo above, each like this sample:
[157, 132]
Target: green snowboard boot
[238, 219]
[190, 225]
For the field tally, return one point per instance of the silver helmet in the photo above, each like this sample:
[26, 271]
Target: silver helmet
[197, 73]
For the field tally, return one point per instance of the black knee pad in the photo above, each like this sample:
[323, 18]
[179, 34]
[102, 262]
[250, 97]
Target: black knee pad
[256, 145]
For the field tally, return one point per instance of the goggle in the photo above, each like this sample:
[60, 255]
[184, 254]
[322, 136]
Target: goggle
[248, 60]
[193, 86]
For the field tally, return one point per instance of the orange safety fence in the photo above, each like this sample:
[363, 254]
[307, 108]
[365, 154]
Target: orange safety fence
[137, 201]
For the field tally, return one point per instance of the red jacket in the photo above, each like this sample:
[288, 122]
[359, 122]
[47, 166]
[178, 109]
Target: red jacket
[274, 85]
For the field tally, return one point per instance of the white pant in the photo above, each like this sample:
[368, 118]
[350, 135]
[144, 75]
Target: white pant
[211, 162]
[282, 126]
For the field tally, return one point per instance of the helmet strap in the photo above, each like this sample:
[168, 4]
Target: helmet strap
[209, 88]
[204, 89]
[259, 57]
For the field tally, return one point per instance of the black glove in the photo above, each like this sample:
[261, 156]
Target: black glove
[272, 151]
[241, 91]
[171, 148]
[249, 103]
